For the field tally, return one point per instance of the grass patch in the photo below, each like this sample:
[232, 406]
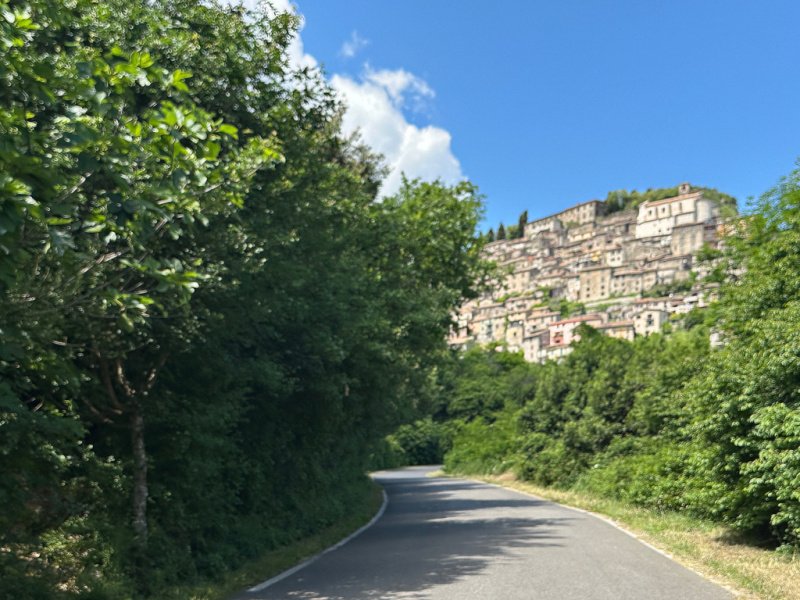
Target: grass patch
[704, 546]
[280, 559]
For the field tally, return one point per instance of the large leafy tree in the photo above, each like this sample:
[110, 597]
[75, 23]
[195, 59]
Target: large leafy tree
[746, 402]
[204, 311]
[110, 170]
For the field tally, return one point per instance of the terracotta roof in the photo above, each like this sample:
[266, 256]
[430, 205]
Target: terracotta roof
[542, 220]
[597, 268]
[535, 334]
[673, 199]
[580, 205]
[616, 324]
[549, 313]
[648, 300]
[592, 317]
[555, 346]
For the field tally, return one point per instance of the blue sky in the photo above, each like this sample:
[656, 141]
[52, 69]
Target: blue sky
[544, 105]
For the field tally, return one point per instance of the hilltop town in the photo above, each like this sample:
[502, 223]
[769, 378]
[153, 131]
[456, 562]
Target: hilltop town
[624, 272]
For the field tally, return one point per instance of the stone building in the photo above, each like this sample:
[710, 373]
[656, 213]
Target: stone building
[605, 262]
[595, 283]
[649, 321]
[624, 330]
[576, 215]
[658, 218]
[563, 332]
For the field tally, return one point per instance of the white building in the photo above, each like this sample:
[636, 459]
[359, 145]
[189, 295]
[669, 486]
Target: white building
[649, 321]
[659, 217]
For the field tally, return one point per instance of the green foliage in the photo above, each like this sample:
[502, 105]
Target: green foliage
[747, 414]
[567, 308]
[420, 443]
[523, 220]
[512, 232]
[708, 253]
[483, 447]
[676, 287]
[651, 472]
[207, 323]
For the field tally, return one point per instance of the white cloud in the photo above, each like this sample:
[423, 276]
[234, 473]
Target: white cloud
[374, 107]
[401, 86]
[352, 46]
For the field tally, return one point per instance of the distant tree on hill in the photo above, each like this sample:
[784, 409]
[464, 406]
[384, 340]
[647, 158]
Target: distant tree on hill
[501, 232]
[490, 235]
[523, 220]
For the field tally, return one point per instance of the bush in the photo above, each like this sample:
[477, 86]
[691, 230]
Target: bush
[483, 447]
[420, 443]
[648, 472]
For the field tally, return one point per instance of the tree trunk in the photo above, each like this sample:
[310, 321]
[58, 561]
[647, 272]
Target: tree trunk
[139, 475]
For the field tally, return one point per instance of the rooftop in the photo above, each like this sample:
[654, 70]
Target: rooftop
[616, 325]
[579, 319]
[649, 300]
[674, 198]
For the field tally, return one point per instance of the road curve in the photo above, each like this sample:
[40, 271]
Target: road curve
[454, 539]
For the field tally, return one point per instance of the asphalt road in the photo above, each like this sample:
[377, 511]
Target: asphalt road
[455, 539]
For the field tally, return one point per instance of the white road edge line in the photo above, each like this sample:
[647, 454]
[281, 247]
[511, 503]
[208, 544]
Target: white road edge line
[616, 525]
[289, 572]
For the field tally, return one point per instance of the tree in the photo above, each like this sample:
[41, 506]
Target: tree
[523, 220]
[744, 401]
[114, 171]
[501, 232]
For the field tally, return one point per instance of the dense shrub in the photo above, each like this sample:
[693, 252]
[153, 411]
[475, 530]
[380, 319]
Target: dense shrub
[483, 447]
[422, 442]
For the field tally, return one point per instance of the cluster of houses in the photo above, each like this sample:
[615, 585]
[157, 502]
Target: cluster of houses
[605, 263]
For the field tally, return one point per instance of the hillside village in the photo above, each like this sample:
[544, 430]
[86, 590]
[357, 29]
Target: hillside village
[590, 265]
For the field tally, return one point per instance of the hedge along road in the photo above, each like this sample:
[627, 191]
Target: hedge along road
[454, 539]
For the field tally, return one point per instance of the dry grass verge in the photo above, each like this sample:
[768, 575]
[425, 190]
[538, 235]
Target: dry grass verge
[709, 548]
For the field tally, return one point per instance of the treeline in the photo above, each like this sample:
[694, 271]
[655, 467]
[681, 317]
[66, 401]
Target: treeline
[207, 321]
[664, 421]
[624, 200]
[618, 200]
[514, 232]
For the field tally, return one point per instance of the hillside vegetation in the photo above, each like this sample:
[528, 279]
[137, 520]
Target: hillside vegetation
[207, 322]
[625, 200]
[619, 200]
[664, 421]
